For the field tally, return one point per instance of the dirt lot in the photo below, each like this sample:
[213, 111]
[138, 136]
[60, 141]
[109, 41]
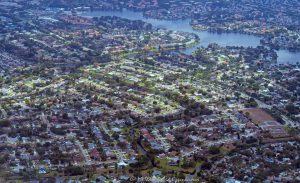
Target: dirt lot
[258, 115]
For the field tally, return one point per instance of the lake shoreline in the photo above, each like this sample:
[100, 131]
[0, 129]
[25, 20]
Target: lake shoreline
[206, 37]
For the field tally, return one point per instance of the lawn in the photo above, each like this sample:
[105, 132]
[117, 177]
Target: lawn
[163, 163]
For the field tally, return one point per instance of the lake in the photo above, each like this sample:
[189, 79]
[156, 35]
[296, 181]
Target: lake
[224, 39]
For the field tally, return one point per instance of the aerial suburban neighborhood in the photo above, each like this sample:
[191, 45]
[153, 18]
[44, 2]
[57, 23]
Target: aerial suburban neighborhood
[89, 96]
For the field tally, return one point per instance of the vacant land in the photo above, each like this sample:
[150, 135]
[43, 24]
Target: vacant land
[258, 116]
